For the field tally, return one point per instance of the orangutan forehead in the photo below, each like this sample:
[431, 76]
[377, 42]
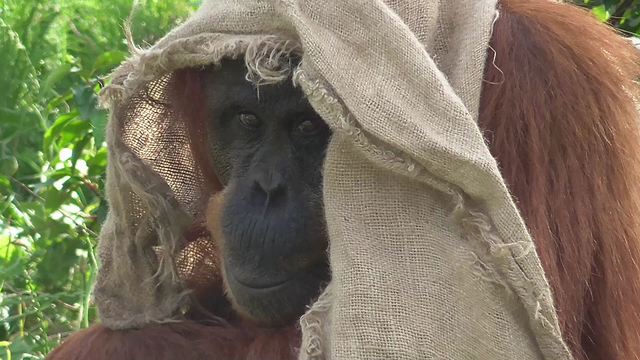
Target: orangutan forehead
[227, 84]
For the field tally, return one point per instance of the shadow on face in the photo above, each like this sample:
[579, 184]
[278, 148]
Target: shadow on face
[268, 147]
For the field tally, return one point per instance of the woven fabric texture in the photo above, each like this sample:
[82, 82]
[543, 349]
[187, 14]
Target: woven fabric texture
[430, 258]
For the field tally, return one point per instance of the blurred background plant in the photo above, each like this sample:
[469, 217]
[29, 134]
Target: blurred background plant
[622, 14]
[54, 56]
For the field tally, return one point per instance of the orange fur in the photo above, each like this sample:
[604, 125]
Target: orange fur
[214, 215]
[189, 100]
[558, 114]
[213, 218]
[184, 340]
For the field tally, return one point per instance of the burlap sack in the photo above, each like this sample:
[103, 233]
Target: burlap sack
[429, 256]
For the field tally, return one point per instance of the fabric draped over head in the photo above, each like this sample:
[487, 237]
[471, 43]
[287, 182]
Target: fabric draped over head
[430, 258]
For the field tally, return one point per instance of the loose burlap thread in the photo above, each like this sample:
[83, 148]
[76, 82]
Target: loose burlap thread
[429, 255]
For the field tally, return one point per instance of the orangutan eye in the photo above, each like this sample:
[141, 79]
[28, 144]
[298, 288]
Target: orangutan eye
[309, 127]
[249, 121]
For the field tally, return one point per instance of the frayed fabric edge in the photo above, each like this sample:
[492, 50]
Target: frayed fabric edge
[168, 222]
[266, 57]
[312, 324]
[477, 227]
[263, 56]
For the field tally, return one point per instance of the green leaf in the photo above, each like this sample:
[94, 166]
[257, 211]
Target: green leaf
[54, 198]
[9, 166]
[17, 74]
[99, 124]
[108, 60]
[73, 132]
[78, 148]
[98, 163]
[58, 74]
[86, 101]
[57, 127]
[601, 13]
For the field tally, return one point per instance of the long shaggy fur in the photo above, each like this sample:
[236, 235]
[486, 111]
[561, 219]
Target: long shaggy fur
[178, 341]
[188, 101]
[558, 112]
[559, 115]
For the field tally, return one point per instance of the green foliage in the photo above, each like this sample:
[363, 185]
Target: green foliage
[54, 55]
[623, 14]
[52, 157]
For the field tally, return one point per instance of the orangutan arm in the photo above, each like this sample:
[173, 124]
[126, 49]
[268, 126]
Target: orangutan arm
[558, 114]
[171, 341]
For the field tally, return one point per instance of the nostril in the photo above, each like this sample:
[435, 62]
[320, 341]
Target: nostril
[268, 194]
[271, 184]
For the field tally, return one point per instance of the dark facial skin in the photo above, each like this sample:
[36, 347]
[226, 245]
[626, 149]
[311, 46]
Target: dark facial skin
[268, 148]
